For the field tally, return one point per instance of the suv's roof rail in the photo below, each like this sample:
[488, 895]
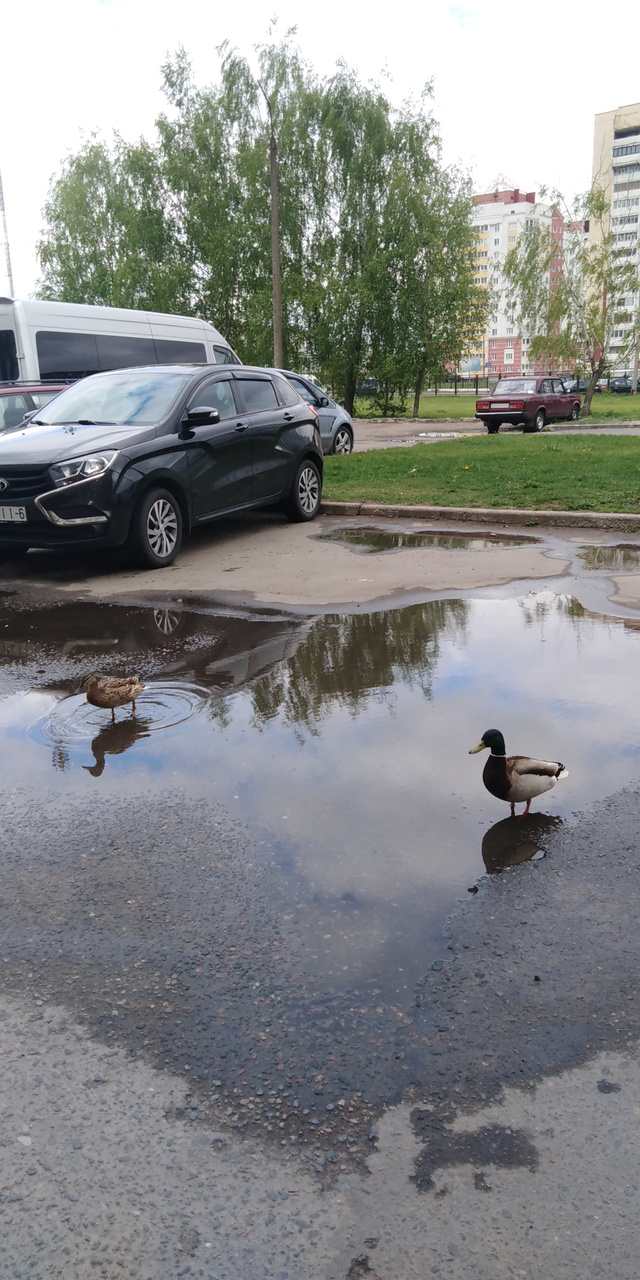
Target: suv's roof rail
[36, 382]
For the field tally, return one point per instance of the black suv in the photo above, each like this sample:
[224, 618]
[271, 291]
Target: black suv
[141, 456]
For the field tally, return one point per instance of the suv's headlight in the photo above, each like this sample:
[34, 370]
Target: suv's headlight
[87, 468]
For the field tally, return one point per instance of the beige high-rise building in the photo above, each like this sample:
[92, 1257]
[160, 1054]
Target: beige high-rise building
[616, 166]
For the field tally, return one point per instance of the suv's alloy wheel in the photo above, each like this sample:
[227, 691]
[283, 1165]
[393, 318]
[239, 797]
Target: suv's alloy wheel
[156, 529]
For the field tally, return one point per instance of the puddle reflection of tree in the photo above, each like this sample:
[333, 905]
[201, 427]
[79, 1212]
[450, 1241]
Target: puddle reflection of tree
[516, 840]
[114, 739]
[347, 660]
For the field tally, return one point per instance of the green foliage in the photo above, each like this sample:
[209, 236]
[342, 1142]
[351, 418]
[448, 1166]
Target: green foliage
[375, 236]
[572, 320]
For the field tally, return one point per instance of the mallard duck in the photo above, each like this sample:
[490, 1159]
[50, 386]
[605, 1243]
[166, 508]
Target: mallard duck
[112, 691]
[516, 778]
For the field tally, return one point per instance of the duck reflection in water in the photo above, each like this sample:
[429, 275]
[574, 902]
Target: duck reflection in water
[113, 740]
[509, 843]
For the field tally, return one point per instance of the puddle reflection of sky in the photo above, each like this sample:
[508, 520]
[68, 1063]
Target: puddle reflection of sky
[370, 789]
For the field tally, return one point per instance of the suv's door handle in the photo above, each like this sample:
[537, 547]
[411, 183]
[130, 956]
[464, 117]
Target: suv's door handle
[241, 426]
[288, 417]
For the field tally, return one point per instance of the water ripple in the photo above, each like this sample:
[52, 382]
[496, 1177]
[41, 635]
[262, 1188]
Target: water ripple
[162, 705]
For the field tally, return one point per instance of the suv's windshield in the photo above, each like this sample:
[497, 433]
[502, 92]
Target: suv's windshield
[129, 398]
[515, 387]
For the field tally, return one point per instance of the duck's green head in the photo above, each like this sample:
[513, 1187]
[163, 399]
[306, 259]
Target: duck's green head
[493, 739]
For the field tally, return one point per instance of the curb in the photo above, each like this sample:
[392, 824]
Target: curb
[490, 515]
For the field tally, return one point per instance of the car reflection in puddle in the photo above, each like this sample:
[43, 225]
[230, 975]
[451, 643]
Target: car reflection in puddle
[371, 540]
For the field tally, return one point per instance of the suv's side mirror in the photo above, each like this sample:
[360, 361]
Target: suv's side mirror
[202, 415]
[323, 402]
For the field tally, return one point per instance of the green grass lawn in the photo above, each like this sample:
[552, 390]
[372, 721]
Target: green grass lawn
[604, 408]
[563, 473]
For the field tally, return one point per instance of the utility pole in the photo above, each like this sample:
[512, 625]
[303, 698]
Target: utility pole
[278, 352]
[636, 361]
[5, 233]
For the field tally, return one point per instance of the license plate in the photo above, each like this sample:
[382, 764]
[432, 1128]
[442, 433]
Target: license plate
[13, 515]
[499, 406]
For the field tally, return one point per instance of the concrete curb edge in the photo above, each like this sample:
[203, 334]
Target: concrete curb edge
[489, 515]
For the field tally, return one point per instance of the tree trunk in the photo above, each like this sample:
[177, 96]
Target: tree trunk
[589, 393]
[417, 392]
[278, 353]
[350, 389]
[353, 371]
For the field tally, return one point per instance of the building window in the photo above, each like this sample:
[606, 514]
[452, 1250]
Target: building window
[509, 330]
[512, 239]
[627, 151]
[494, 332]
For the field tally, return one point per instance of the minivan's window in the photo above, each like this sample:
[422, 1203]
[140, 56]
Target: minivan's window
[258, 394]
[9, 369]
[139, 399]
[515, 387]
[117, 351]
[223, 355]
[67, 355]
[73, 355]
[172, 351]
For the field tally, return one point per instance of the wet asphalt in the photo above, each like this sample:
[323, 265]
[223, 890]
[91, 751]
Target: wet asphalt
[167, 930]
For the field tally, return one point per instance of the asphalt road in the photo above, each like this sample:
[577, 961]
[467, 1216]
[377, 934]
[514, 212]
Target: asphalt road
[376, 433]
[176, 1100]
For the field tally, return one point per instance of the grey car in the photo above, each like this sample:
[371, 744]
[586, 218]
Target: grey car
[336, 425]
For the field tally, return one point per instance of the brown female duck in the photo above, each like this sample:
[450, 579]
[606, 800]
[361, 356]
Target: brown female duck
[516, 778]
[112, 691]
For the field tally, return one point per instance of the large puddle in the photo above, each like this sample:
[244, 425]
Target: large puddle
[373, 541]
[340, 744]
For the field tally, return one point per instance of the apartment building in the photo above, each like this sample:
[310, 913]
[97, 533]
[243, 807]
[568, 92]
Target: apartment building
[499, 218]
[616, 166]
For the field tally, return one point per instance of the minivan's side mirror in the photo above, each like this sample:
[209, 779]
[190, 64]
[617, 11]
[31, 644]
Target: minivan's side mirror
[202, 415]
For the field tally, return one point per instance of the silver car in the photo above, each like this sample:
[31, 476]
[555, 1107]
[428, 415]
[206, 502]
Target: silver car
[336, 425]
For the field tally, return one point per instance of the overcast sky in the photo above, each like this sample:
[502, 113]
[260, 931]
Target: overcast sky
[516, 87]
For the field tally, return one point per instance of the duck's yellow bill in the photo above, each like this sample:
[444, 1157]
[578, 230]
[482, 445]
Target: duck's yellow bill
[482, 746]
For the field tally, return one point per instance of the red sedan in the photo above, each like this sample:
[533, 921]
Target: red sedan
[17, 399]
[529, 402]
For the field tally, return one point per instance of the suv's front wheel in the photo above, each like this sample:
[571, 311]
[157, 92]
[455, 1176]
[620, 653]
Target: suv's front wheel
[303, 502]
[155, 536]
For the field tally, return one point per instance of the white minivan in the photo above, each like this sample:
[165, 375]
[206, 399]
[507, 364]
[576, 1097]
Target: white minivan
[62, 341]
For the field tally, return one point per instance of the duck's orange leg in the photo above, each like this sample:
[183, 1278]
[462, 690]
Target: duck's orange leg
[113, 714]
[513, 810]
[133, 706]
[527, 809]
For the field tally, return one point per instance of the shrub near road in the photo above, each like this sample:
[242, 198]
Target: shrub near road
[561, 473]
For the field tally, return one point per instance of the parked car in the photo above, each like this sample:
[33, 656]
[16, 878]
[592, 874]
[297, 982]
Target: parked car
[139, 457]
[623, 386]
[336, 425]
[581, 385]
[62, 341]
[17, 400]
[527, 401]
